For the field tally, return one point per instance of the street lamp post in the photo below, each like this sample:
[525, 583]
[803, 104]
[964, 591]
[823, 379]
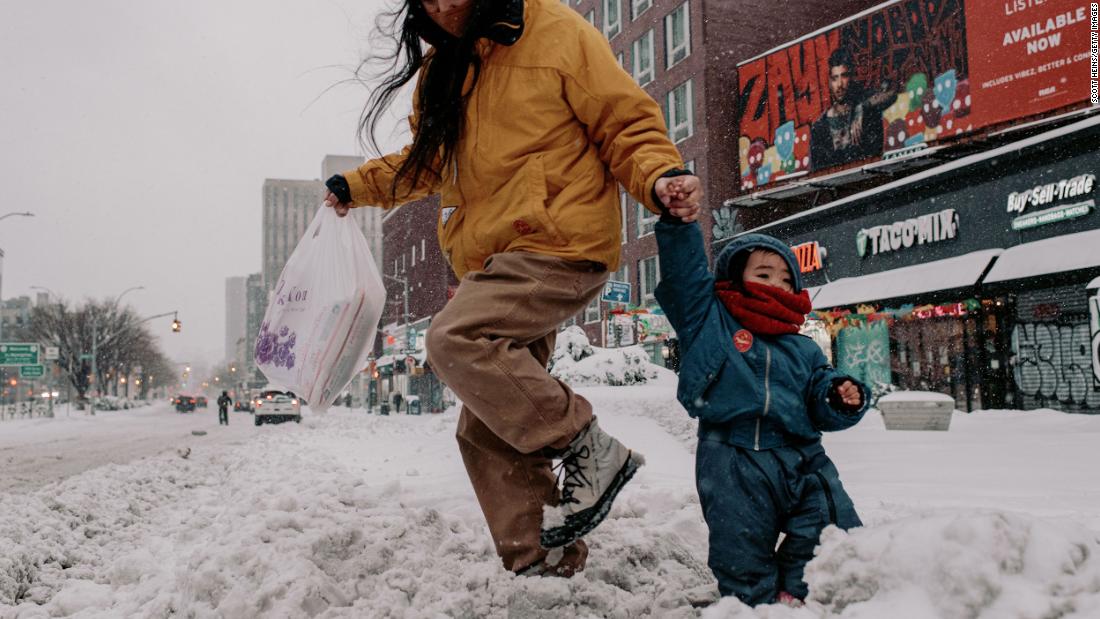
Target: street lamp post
[95, 334]
[50, 387]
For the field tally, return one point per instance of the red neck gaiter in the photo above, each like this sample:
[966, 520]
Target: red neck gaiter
[765, 310]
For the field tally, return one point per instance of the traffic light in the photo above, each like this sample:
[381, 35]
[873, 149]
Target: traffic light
[176, 325]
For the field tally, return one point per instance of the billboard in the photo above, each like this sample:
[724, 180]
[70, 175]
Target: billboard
[904, 75]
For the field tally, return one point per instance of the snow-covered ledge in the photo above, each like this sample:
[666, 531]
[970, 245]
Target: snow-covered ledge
[916, 410]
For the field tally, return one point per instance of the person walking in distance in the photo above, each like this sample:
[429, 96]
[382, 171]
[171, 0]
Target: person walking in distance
[526, 125]
[223, 408]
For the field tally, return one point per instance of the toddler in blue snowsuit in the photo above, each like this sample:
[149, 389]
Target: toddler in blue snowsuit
[763, 394]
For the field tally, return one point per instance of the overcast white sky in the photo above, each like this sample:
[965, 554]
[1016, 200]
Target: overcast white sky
[139, 133]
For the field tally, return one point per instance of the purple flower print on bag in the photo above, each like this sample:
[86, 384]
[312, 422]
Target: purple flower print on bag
[270, 350]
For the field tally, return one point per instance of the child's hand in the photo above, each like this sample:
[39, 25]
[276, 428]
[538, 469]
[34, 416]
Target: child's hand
[682, 195]
[849, 393]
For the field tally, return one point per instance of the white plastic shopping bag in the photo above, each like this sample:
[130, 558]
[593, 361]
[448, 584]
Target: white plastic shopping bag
[320, 322]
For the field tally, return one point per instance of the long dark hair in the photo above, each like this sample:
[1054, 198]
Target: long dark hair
[441, 103]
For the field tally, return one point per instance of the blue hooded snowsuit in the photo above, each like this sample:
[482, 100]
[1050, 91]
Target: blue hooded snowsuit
[761, 469]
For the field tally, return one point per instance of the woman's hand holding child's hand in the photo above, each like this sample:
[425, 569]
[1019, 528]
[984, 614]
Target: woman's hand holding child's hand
[681, 194]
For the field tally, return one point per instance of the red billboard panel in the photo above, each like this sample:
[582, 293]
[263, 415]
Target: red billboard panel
[907, 74]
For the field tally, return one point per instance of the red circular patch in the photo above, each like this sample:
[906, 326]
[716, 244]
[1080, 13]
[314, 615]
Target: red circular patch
[522, 227]
[742, 340]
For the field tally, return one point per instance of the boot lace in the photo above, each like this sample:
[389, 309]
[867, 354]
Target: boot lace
[570, 474]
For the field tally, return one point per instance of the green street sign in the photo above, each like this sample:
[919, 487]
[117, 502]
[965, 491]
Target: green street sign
[85, 356]
[31, 371]
[15, 353]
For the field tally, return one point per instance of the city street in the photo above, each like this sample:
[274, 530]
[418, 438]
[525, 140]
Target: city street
[37, 451]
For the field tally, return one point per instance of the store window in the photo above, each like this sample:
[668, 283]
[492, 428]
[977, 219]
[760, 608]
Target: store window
[677, 35]
[613, 18]
[681, 121]
[643, 58]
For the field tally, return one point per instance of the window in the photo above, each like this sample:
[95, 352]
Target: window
[638, 7]
[590, 17]
[622, 60]
[624, 203]
[677, 35]
[592, 312]
[613, 18]
[423, 246]
[412, 259]
[643, 58]
[395, 266]
[622, 275]
[690, 166]
[680, 115]
[646, 218]
[649, 275]
[402, 263]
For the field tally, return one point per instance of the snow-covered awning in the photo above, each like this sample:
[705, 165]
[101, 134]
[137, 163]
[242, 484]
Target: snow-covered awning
[947, 274]
[1093, 284]
[1059, 254]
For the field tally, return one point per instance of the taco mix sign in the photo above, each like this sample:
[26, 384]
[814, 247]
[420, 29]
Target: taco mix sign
[931, 228]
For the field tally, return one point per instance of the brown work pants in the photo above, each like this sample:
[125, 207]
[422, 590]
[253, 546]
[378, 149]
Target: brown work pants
[490, 345]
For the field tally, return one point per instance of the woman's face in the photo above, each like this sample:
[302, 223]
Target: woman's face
[450, 15]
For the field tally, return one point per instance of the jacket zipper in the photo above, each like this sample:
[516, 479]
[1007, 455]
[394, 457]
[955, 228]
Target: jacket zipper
[767, 393]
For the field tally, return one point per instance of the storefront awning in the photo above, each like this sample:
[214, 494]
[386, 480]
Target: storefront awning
[1093, 284]
[1054, 255]
[947, 274]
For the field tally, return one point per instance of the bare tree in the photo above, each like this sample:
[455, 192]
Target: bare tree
[122, 343]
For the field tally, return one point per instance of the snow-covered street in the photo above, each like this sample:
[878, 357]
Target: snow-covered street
[353, 515]
[36, 451]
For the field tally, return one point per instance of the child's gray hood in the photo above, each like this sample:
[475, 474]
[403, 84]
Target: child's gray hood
[749, 241]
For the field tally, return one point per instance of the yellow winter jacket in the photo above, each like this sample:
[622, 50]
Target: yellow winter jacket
[553, 123]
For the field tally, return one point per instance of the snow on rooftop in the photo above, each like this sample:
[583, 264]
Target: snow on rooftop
[945, 274]
[1059, 254]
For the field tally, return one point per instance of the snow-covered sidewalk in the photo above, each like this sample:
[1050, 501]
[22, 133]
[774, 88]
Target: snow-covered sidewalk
[351, 515]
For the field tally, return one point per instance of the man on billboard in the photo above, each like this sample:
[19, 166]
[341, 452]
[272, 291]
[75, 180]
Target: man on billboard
[851, 128]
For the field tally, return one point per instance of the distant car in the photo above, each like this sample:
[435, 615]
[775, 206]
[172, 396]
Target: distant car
[200, 401]
[274, 406]
[242, 405]
[184, 403]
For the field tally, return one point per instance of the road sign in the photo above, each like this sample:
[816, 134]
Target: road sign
[85, 357]
[31, 371]
[14, 353]
[616, 292]
[52, 353]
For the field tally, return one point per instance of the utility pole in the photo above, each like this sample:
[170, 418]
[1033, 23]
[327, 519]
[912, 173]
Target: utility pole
[405, 289]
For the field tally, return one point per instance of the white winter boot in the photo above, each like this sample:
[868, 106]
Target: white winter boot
[593, 469]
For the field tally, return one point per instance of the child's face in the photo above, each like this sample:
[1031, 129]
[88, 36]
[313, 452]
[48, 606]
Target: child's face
[768, 268]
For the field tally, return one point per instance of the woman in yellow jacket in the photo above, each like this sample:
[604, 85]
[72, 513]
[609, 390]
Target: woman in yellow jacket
[525, 124]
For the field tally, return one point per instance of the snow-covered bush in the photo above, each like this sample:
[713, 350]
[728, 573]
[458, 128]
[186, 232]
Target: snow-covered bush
[578, 363]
